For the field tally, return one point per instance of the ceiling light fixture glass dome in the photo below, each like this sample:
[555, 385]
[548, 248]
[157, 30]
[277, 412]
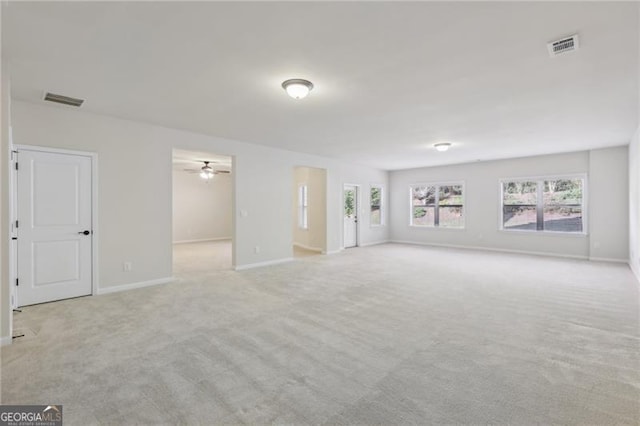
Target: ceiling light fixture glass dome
[297, 88]
[442, 147]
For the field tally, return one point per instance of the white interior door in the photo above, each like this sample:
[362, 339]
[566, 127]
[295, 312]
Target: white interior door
[350, 213]
[54, 226]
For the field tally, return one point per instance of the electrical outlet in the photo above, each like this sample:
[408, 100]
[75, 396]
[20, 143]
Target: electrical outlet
[127, 266]
[256, 249]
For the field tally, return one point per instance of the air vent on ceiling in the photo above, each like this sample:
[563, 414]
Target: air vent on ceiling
[65, 100]
[564, 45]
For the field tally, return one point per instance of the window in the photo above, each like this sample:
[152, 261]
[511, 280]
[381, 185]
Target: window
[543, 204]
[376, 206]
[303, 207]
[437, 205]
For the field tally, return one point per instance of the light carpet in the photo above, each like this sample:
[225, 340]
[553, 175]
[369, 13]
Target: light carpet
[390, 334]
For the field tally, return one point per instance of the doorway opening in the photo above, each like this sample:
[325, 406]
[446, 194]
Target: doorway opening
[202, 207]
[350, 212]
[309, 211]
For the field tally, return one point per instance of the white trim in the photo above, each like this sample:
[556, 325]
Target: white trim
[202, 240]
[547, 233]
[582, 175]
[607, 259]
[36, 148]
[302, 246]
[636, 273]
[6, 341]
[437, 186]
[94, 207]
[537, 179]
[13, 244]
[437, 228]
[303, 206]
[357, 208]
[261, 264]
[330, 252]
[499, 250]
[133, 286]
[375, 243]
[95, 279]
[382, 209]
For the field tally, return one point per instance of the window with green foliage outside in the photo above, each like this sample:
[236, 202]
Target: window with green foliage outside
[543, 204]
[437, 205]
[376, 205]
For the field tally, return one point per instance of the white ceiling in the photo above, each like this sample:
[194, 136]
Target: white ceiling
[391, 78]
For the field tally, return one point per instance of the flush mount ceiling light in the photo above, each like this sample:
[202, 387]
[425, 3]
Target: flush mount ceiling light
[297, 88]
[206, 171]
[442, 147]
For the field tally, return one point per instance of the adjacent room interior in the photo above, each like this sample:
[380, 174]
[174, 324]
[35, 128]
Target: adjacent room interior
[309, 211]
[202, 206]
[321, 212]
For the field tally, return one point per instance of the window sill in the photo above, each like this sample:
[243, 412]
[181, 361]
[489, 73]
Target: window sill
[377, 226]
[546, 233]
[438, 228]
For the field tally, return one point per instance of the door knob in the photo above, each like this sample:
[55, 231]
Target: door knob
[85, 232]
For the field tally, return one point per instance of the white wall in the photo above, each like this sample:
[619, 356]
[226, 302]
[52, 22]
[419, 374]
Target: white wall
[482, 204]
[634, 204]
[135, 202]
[609, 203]
[202, 210]
[315, 236]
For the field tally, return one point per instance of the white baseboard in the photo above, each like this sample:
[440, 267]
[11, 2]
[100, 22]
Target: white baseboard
[302, 246]
[499, 250]
[607, 259]
[340, 250]
[204, 240]
[635, 271]
[133, 286]
[5, 341]
[374, 243]
[261, 264]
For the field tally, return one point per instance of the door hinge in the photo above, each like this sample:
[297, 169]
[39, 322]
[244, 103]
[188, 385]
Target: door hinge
[17, 282]
[17, 224]
[16, 165]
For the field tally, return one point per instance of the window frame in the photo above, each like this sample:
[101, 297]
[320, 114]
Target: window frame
[437, 185]
[303, 206]
[542, 179]
[382, 212]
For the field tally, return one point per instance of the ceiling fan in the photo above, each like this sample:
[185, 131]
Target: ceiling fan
[207, 172]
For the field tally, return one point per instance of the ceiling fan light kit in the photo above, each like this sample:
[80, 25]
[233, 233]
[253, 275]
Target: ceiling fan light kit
[207, 171]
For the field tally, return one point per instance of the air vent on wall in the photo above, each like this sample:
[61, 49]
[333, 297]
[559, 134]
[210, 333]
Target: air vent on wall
[65, 100]
[564, 45]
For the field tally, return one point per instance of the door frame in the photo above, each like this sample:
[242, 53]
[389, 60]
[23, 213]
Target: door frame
[234, 208]
[358, 188]
[13, 198]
